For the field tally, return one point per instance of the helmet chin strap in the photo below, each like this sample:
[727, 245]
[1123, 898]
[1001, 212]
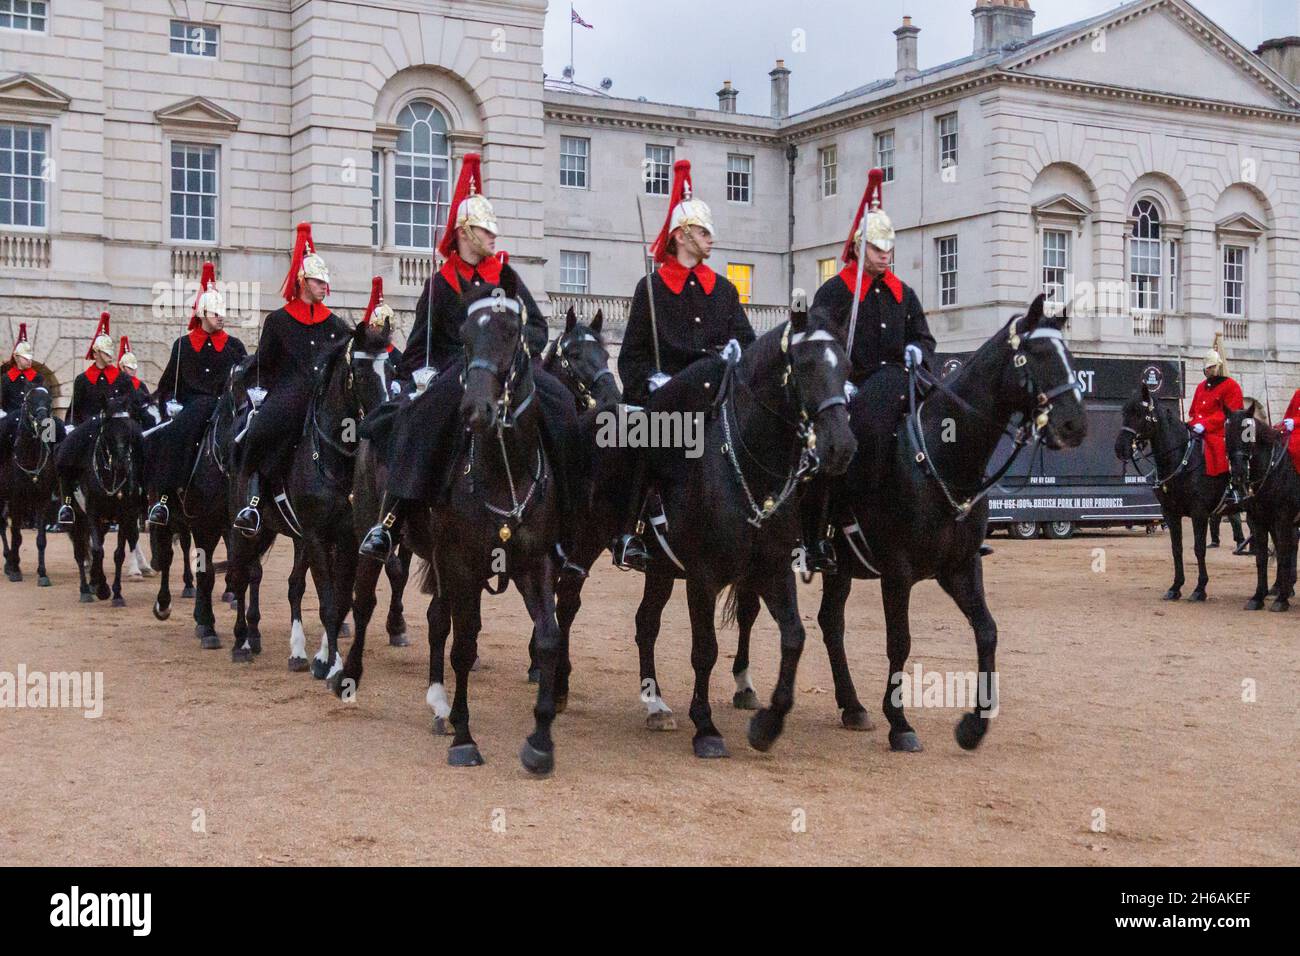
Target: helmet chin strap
[475, 242]
[693, 244]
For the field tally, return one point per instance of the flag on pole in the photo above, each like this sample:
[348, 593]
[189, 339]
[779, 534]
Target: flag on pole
[574, 18]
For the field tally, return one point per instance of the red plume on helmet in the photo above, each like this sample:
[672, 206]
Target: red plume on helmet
[681, 190]
[872, 198]
[101, 329]
[123, 347]
[376, 297]
[302, 247]
[470, 181]
[209, 276]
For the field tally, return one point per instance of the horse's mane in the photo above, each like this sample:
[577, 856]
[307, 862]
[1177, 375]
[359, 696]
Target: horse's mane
[765, 351]
[332, 354]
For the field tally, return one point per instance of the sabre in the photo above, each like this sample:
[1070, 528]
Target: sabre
[433, 270]
[857, 291]
[649, 289]
[158, 427]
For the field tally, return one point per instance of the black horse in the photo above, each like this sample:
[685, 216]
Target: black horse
[201, 514]
[314, 508]
[928, 517]
[1265, 484]
[27, 481]
[109, 492]
[1177, 456]
[732, 514]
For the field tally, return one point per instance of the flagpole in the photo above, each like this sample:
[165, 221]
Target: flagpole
[574, 76]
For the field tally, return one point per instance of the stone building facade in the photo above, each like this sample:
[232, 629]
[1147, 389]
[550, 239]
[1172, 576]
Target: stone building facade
[1141, 164]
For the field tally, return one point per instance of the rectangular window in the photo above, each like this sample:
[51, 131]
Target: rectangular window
[947, 247]
[22, 175]
[1175, 248]
[1056, 264]
[658, 170]
[192, 39]
[742, 277]
[194, 193]
[574, 152]
[885, 153]
[1144, 274]
[1234, 280]
[947, 140]
[23, 15]
[826, 270]
[830, 171]
[574, 272]
[376, 198]
[740, 170]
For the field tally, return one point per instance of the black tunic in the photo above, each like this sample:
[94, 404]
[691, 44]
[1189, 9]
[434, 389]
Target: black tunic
[448, 313]
[692, 324]
[94, 389]
[14, 386]
[886, 326]
[203, 371]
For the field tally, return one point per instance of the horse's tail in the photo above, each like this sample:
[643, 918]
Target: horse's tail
[429, 580]
[730, 605]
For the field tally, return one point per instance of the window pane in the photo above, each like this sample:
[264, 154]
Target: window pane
[22, 166]
[422, 172]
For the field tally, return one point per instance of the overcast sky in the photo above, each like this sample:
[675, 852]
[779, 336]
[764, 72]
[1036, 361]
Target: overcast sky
[680, 51]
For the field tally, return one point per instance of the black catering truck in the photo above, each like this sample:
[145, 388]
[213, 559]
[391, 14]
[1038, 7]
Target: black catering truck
[1055, 492]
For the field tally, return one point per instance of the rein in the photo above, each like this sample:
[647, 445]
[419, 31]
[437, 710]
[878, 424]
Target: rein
[42, 457]
[1253, 491]
[104, 457]
[583, 391]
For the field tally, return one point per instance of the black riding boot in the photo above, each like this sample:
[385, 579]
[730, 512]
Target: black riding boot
[629, 549]
[379, 540]
[821, 554]
[66, 515]
[159, 514]
[249, 520]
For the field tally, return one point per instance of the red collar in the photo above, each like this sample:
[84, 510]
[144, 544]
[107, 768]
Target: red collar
[299, 311]
[849, 275]
[456, 270]
[109, 373]
[13, 374]
[674, 275]
[218, 338]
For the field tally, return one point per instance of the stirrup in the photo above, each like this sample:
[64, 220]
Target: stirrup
[249, 520]
[159, 514]
[567, 568]
[630, 553]
[377, 544]
[66, 515]
[822, 556]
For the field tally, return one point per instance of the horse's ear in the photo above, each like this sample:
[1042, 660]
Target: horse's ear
[1146, 394]
[1250, 409]
[510, 282]
[597, 321]
[570, 320]
[1035, 314]
[798, 310]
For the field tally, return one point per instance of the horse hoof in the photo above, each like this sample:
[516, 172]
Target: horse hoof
[561, 703]
[745, 699]
[905, 742]
[710, 748]
[187, 592]
[399, 640]
[1196, 596]
[241, 655]
[661, 720]
[441, 727]
[539, 762]
[464, 755]
[255, 642]
[969, 732]
[1280, 605]
[209, 641]
[1254, 604]
[297, 664]
[534, 675]
[87, 598]
[764, 728]
[103, 592]
[856, 719]
[119, 601]
[319, 668]
[160, 612]
[336, 685]
[15, 576]
[43, 582]
[1173, 594]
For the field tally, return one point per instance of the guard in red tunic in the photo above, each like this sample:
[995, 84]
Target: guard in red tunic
[1214, 399]
[289, 354]
[15, 382]
[197, 371]
[92, 391]
[142, 407]
[1287, 426]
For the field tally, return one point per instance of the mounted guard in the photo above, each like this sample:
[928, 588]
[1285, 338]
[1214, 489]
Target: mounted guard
[15, 382]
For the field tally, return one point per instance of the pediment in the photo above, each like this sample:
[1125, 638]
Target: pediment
[1242, 224]
[1062, 205]
[197, 112]
[24, 92]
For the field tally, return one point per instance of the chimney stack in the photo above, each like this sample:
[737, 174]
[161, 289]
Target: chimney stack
[727, 97]
[1283, 55]
[780, 90]
[907, 35]
[1000, 22]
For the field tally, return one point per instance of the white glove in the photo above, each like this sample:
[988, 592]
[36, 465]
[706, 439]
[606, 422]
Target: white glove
[1198, 428]
[658, 380]
[155, 414]
[849, 391]
[174, 408]
[395, 388]
[422, 377]
[3, 414]
[67, 429]
[731, 351]
[257, 395]
[912, 355]
[1289, 424]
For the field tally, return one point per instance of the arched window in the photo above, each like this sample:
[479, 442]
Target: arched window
[1144, 256]
[422, 172]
